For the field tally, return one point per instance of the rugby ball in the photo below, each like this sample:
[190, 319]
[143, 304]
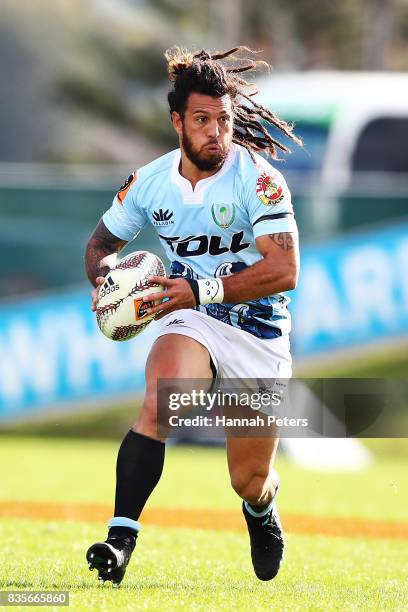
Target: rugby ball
[120, 311]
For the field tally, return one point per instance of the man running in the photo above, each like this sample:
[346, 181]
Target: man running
[225, 220]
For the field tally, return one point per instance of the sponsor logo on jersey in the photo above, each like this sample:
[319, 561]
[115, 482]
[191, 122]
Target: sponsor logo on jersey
[268, 190]
[141, 308]
[124, 190]
[193, 246]
[162, 217]
[223, 214]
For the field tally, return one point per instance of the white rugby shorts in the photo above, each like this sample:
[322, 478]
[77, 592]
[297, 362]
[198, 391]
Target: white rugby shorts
[234, 352]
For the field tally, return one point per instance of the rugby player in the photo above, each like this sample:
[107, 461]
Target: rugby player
[225, 220]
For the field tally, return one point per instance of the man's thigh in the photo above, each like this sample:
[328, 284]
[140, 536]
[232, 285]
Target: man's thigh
[177, 356]
[172, 357]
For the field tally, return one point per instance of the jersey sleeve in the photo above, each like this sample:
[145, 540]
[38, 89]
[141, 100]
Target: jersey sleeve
[125, 218]
[269, 203]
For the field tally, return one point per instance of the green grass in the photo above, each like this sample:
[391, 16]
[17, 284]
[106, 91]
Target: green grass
[390, 362]
[189, 569]
[84, 471]
[197, 570]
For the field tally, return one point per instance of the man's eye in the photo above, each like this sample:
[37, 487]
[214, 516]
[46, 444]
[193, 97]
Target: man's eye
[201, 119]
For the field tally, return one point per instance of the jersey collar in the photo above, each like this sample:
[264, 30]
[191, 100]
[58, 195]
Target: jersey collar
[196, 196]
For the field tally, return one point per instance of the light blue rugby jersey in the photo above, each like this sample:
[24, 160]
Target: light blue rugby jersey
[211, 230]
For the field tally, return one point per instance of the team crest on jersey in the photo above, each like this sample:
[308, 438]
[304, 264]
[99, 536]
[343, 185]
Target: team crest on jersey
[268, 190]
[223, 214]
[123, 191]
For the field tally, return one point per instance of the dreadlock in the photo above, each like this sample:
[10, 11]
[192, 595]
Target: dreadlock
[204, 73]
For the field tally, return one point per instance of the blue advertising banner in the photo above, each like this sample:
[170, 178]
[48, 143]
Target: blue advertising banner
[51, 352]
[352, 291]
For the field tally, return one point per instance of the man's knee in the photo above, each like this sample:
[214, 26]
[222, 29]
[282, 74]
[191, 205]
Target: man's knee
[147, 421]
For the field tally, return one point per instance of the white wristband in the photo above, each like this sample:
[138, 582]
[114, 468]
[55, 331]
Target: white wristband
[211, 291]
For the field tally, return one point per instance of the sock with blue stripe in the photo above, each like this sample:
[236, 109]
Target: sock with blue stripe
[258, 511]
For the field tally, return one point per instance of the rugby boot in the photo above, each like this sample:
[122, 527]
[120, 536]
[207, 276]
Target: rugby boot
[267, 543]
[111, 558]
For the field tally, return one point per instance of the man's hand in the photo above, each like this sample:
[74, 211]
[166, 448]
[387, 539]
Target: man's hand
[178, 294]
[95, 293]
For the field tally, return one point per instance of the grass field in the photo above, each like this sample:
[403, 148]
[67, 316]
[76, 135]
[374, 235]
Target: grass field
[186, 567]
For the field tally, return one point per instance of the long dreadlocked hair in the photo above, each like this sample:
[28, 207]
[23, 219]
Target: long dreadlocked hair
[203, 72]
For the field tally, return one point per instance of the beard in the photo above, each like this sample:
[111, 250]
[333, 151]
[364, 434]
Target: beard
[202, 159]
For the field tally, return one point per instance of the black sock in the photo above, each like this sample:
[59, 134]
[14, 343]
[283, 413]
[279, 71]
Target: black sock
[138, 470]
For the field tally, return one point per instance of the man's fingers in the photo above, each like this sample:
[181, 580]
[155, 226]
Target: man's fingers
[160, 280]
[163, 306]
[95, 293]
[152, 297]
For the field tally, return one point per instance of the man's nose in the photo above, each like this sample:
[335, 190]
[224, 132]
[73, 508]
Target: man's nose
[213, 129]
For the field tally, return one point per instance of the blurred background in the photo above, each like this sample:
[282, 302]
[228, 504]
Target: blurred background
[83, 104]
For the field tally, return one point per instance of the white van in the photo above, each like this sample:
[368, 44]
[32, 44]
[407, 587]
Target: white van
[354, 168]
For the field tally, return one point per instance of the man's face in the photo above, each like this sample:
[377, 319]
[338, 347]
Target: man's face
[205, 130]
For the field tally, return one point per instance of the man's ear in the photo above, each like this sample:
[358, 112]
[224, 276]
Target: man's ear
[177, 122]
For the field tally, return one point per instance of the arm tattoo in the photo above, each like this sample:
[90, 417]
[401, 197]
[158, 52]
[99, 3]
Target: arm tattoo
[101, 244]
[284, 240]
